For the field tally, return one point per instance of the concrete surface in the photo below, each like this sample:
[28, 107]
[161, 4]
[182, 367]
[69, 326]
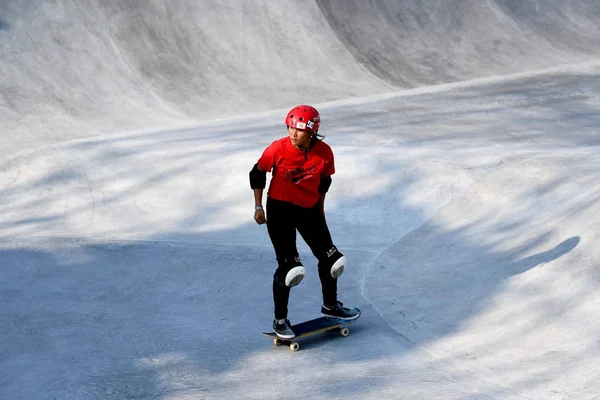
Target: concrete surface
[466, 198]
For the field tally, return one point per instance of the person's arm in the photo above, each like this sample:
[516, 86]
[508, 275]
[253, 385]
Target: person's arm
[322, 203]
[323, 188]
[258, 181]
[259, 212]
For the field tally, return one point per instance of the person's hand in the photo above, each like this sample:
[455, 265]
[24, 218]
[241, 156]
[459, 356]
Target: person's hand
[259, 216]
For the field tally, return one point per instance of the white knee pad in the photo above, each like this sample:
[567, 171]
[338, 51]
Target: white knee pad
[295, 276]
[338, 267]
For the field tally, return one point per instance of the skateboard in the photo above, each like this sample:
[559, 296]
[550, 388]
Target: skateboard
[312, 327]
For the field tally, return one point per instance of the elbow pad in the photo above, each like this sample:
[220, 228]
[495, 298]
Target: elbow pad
[258, 179]
[324, 184]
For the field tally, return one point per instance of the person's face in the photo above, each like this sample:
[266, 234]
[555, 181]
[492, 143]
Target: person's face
[299, 137]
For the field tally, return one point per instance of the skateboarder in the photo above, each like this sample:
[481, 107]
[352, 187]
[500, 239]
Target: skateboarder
[301, 165]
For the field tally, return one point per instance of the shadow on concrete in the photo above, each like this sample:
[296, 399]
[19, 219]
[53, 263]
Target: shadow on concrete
[179, 309]
[154, 318]
[121, 319]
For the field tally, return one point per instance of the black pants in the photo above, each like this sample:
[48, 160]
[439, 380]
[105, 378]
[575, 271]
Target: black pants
[283, 219]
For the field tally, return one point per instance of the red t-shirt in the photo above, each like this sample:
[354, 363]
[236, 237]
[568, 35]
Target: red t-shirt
[296, 174]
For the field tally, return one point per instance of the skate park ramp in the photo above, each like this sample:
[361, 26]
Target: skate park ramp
[465, 198]
[77, 69]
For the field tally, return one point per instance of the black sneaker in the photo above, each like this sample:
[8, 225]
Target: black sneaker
[283, 328]
[341, 312]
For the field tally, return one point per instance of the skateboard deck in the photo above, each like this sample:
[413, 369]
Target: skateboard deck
[312, 327]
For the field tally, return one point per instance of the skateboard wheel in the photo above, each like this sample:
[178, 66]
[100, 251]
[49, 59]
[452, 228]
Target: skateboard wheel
[278, 342]
[344, 331]
[294, 346]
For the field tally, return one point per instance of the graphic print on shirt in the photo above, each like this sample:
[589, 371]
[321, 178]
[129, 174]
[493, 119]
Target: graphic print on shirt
[299, 174]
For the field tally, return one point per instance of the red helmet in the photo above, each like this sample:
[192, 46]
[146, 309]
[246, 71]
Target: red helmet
[304, 117]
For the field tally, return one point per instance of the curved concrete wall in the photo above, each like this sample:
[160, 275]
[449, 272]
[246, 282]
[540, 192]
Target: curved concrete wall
[88, 66]
[413, 43]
